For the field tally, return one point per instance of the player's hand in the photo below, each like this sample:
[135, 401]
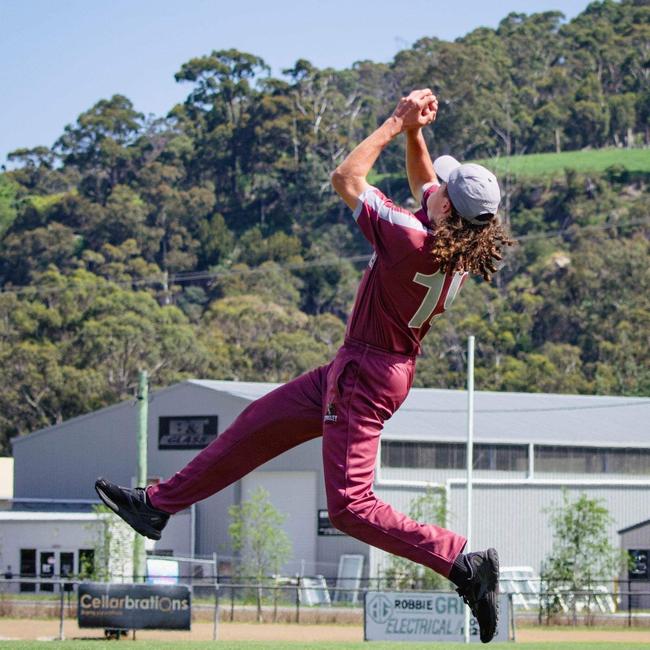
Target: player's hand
[432, 109]
[416, 110]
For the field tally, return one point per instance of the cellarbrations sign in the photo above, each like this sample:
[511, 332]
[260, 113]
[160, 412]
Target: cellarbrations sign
[134, 606]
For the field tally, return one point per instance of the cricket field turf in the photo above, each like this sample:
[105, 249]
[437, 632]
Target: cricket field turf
[286, 645]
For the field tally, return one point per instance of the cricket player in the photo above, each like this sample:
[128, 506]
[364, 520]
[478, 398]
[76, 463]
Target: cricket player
[419, 263]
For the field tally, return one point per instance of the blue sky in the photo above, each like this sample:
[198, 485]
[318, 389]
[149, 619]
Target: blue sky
[58, 57]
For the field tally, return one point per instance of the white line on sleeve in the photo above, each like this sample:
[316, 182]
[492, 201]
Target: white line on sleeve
[396, 216]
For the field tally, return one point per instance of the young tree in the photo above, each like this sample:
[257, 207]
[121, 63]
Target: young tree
[257, 535]
[582, 553]
[430, 508]
[112, 541]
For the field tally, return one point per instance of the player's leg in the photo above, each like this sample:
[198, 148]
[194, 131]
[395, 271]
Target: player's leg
[362, 391]
[286, 417]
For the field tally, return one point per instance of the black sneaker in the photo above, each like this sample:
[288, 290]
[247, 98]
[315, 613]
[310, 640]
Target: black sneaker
[482, 590]
[132, 506]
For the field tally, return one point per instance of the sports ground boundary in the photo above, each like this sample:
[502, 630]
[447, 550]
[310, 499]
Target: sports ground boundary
[48, 629]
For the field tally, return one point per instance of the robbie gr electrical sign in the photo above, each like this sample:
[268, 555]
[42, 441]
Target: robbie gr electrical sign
[134, 606]
[432, 616]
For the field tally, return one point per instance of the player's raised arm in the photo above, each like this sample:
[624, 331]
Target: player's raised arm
[419, 168]
[350, 177]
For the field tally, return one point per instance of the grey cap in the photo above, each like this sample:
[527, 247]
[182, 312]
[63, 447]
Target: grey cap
[473, 189]
[443, 166]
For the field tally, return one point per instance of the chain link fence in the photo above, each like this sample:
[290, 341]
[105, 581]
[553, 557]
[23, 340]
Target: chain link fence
[322, 599]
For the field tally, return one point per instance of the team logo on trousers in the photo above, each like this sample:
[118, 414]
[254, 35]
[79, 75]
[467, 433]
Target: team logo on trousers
[330, 415]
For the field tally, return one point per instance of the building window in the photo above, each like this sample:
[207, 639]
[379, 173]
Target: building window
[638, 568]
[591, 460]
[66, 567]
[506, 458]
[444, 455]
[46, 569]
[27, 568]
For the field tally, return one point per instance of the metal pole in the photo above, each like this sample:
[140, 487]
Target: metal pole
[215, 578]
[193, 545]
[470, 459]
[139, 555]
[629, 603]
[298, 599]
[62, 590]
[512, 617]
[192, 530]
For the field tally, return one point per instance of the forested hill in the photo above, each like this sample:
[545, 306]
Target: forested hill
[208, 242]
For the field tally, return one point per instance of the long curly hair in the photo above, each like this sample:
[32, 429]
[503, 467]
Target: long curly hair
[461, 246]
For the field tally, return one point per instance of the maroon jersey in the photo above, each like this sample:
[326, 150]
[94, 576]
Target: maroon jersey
[402, 289]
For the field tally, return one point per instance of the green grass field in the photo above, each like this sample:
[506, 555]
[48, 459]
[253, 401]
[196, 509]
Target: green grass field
[281, 645]
[553, 165]
[635, 161]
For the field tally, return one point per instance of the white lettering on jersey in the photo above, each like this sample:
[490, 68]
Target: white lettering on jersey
[435, 284]
[453, 289]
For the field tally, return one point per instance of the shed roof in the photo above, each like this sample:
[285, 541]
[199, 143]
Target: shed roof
[28, 510]
[641, 524]
[514, 418]
[436, 414]
[61, 506]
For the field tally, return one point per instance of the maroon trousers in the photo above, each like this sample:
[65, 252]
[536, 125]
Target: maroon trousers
[345, 402]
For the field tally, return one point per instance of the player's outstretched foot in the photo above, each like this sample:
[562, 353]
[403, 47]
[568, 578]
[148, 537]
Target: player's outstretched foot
[133, 507]
[482, 590]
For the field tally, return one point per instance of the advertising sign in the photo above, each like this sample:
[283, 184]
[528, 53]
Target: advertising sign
[134, 606]
[432, 616]
[187, 431]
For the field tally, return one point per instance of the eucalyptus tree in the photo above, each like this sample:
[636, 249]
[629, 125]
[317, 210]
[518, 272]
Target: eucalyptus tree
[100, 145]
[218, 116]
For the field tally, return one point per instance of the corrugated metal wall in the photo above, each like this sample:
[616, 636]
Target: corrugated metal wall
[512, 518]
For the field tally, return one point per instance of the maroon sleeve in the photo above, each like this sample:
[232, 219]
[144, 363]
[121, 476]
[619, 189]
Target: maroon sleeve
[393, 232]
[427, 191]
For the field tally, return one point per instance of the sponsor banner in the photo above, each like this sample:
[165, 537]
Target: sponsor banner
[134, 606]
[432, 616]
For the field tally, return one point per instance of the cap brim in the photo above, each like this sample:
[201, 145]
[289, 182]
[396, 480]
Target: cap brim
[443, 166]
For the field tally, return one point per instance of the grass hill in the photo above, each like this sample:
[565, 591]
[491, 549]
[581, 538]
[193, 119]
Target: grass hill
[633, 161]
[622, 164]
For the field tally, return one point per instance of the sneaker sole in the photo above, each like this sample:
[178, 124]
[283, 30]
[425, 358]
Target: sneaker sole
[125, 515]
[493, 591]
